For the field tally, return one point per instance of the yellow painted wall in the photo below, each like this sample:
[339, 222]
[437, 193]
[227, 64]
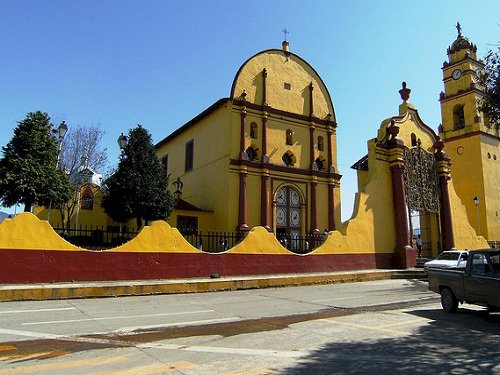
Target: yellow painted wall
[465, 235]
[207, 185]
[25, 231]
[282, 69]
[205, 218]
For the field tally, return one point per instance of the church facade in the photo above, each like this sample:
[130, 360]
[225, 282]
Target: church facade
[264, 156]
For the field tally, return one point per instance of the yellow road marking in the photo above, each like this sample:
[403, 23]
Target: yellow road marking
[57, 366]
[405, 322]
[372, 328]
[257, 371]
[149, 369]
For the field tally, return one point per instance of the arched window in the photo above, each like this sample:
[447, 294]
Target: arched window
[413, 139]
[253, 130]
[321, 144]
[289, 137]
[458, 117]
[87, 199]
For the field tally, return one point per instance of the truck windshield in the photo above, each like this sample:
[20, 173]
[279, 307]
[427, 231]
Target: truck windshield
[448, 256]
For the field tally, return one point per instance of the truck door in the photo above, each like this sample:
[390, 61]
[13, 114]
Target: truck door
[495, 287]
[478, 283]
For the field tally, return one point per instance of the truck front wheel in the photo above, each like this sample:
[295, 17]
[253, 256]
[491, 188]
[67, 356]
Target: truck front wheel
[448, 300]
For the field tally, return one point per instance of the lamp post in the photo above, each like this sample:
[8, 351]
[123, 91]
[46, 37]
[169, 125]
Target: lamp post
[62, 129]
[122, 141]
[476, 202]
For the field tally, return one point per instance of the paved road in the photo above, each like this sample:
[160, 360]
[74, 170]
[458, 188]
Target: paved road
[372, 327]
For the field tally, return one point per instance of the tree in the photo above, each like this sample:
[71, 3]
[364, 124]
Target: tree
[29, 172]
[490, 80]
[139, 187]
[80, 147]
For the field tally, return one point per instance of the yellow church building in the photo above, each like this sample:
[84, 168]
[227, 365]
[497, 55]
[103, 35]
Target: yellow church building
[264, 156]
[471, 140]
[267, 156]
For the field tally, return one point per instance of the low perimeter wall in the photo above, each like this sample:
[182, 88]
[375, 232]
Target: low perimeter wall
[31, 252]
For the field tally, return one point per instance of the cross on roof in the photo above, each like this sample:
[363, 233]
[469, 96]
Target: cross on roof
[285, 31]
[459, 29]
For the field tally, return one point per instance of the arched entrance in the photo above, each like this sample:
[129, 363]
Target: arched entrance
[288, 214]
[422, 199]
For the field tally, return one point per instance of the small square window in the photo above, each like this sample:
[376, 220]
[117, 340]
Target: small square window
[287, 86]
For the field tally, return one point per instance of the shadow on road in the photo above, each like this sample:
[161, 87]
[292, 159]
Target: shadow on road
[463, 343]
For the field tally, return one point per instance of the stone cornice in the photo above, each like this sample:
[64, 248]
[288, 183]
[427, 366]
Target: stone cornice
[279, 112]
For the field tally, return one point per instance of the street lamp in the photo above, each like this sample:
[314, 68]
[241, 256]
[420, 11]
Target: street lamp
[62, 129]
[122, 141]
[476, 202]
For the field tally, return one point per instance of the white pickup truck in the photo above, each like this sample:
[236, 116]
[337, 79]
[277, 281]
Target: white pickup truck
[449, 259]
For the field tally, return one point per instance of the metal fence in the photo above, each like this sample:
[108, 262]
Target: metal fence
[100, 238]
[214, 241]
[95, 237]
[301, 243]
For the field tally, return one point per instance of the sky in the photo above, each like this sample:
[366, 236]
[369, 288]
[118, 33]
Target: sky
[157, 63]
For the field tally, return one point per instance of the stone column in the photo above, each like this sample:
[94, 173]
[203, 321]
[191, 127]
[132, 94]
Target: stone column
[314, 210]
[264, 87]
[311, 100]
[404, 256]
[242, 202]
[265, 201]
[265, 157]
[311, 146]
[330, 147]
[443, 169]
[400, 211]
[243, 123]
[331, 206]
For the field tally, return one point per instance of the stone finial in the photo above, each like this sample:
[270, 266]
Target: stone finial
[405, 92]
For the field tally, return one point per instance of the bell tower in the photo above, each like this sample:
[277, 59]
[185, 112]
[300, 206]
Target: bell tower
[471, 141]
[459, 101]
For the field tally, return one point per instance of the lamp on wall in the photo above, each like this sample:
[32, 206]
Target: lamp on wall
[178, 188]
[476, 202]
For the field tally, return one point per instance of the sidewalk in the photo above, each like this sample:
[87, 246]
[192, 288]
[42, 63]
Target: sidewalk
[30, 292]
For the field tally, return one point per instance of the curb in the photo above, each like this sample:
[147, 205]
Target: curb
[54, 291]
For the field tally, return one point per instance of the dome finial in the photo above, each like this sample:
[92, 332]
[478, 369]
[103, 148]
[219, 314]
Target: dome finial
[405, 92]
[459, 29]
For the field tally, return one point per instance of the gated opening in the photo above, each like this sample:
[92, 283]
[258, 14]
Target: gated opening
[422, 199]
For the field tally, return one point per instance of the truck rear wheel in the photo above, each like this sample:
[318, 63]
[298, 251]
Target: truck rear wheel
[448, 300]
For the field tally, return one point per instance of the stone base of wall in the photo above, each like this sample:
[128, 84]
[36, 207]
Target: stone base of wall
[45, 266]
[404, 258]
